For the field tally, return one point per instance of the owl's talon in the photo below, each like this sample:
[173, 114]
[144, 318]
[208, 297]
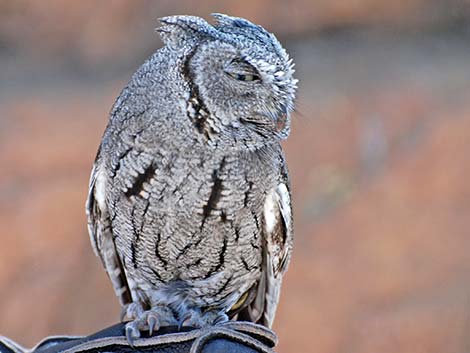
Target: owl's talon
[185, 321]
[132, 333]
[153, 322]
[132, 311]
[149, 320]
[123, 314]
[195, 318]
[222, 318]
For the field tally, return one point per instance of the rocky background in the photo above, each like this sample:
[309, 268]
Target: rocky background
[379, 156]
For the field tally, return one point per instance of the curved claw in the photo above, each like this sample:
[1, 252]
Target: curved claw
[123, 313]
[221, 319]
[153, 323]
[132, 333]
[185, 320]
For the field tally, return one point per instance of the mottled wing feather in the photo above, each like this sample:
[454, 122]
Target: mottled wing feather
[278, 237]
[101, 237]
[278, 247]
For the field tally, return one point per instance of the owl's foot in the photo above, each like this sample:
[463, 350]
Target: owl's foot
[196, 318]
[146, 320]
[131, 311]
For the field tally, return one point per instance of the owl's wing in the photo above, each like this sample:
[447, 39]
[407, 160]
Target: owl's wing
[278, 237]
[101, 237]
[277, 249]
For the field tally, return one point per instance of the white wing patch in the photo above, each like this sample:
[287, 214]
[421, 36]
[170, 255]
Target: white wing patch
[270, 212]
[100, 189]
[279, 200]
[284, 204]
[99, 228]
[278, 247]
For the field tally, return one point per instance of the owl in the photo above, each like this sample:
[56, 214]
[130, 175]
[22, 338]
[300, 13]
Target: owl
[189, 205]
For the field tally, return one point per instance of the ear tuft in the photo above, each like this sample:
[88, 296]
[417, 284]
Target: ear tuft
[222, 20]
[226, 20]
[177, 31]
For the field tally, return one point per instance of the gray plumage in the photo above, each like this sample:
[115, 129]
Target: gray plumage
[189, 203]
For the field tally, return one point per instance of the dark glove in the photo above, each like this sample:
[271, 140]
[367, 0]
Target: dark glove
[230, 337]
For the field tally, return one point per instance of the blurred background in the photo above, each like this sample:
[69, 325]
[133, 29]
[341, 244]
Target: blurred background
[379, 157]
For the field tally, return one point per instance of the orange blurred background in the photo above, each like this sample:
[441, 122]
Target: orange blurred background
[379, 157]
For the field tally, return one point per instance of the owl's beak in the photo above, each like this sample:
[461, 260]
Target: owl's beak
[281, 119]
[281, 122]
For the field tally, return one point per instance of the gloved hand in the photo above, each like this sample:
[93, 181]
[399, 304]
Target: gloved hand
[230, 337]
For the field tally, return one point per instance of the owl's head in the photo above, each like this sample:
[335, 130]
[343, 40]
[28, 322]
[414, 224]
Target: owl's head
[240, 79]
